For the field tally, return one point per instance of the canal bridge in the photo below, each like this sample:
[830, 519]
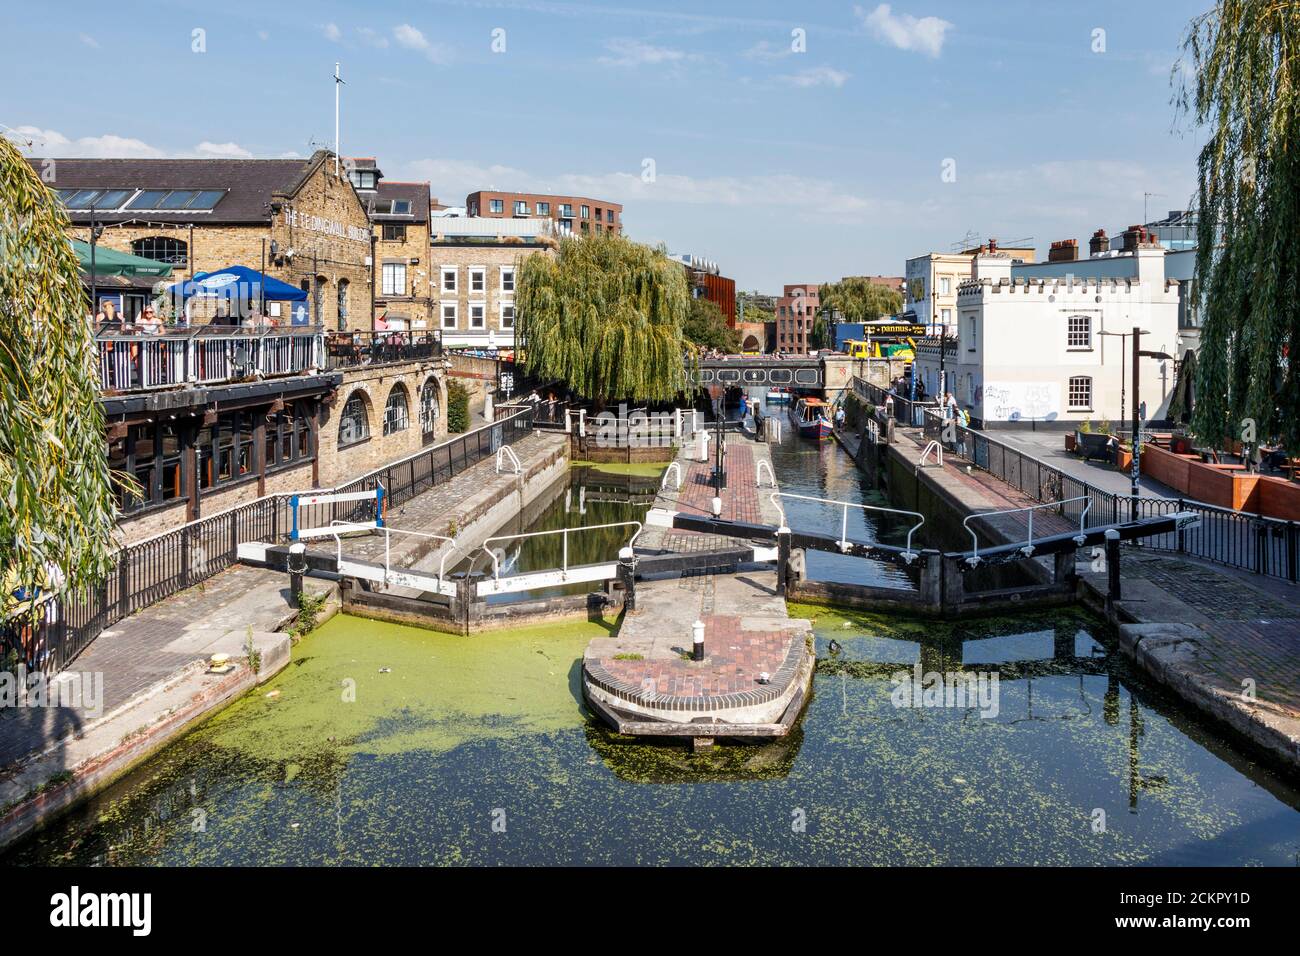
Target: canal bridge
[830, 372]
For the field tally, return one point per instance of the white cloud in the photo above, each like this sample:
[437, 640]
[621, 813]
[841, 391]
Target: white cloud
[766, 50]
[412, 39]
[638, 53]
[263, 35]
[816, 76]
[804, 197]
[332, 32]
[904, 31]
[372, 38]
[222, 150]
[90, 41]
[49, 142]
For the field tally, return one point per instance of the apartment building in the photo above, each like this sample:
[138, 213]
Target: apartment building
[931, 280]
[578, 214]
[796, 309]
[474, 262]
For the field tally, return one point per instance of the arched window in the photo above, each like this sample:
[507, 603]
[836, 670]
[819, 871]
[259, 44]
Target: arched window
[354, 423]
[161, 249]
[429, 410]
[343, 305]
[397, 416]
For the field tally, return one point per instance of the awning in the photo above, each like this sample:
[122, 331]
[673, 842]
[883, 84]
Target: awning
[237, 282]
[110, 262]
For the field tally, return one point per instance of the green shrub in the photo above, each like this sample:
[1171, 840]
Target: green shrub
[457, 407]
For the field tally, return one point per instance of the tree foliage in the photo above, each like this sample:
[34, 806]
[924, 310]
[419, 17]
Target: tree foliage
[605, 316]
[858, 299]
[706, 327]
[1245, 55]
[56, 503]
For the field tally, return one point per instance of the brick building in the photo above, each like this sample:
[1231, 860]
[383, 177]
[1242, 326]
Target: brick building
[404, 293]
[796, 309]
[294, 219]
[578, 214]
[474, 261]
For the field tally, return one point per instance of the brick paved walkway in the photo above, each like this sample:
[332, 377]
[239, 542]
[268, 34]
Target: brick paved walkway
[151, 646]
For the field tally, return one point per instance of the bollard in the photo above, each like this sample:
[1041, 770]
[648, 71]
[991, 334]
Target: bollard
[297, 568]
[697, 653]
[717, 507]
[627, 575]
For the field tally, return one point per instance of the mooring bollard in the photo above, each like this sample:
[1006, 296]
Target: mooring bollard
[297, 568]
[697, 653]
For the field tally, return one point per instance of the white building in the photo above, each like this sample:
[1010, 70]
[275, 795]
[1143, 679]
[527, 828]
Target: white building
[1049, 351]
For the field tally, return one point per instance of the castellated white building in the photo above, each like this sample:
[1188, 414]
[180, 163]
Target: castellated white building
[1048, 353]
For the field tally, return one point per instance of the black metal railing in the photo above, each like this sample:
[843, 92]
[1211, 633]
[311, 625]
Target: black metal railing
[51, 636]
[1267, 546]
[907, 412]
[353, 349]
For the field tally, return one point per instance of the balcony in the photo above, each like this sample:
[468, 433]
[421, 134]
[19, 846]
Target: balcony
[355, 349]
[132, 361]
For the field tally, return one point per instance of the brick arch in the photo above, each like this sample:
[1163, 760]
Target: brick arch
[401, 419]
[428, 429]
[349, 433]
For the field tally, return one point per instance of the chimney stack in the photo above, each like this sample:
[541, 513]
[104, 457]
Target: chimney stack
[1099, 243]
[1063, 250]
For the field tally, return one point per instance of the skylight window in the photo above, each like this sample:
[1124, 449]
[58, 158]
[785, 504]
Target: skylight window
[174, 200]
[99, 198]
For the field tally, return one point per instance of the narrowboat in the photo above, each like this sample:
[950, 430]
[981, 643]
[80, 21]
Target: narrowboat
[779, 396]
[812, 417]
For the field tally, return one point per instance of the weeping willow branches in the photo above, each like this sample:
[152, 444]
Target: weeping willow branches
[1245, 87]
[56, 507]
[606, 317]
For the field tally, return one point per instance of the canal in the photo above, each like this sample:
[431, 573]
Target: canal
[384, 744]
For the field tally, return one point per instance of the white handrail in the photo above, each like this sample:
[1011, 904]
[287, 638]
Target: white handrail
[674, 467]
[933, 446]
[510, 452]
[1028, 548]
[908, 554]
[442, 563]
[564, 559]
[764, 463]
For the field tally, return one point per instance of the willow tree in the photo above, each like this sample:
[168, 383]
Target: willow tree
[56, 505]
[605, 316]
[1245, 54]
[858, 299]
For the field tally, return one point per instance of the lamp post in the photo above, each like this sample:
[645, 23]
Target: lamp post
[1123, 347]
[1138, 353]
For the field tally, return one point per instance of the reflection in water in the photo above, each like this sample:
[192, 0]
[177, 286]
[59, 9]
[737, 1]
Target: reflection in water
[412, 771]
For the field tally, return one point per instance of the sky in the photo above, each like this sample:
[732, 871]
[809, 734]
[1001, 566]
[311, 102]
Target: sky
[789, 142]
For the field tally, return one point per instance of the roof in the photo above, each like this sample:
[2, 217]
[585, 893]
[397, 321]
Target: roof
[249, 185]
[416, 194]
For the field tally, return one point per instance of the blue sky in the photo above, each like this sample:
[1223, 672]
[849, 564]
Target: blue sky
[790, 142]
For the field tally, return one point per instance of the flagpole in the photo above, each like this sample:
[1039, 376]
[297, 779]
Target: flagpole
[337, 81]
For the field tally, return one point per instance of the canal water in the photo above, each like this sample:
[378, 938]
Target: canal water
[383, 744]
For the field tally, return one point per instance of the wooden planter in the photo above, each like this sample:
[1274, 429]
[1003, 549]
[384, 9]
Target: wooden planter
[1071, 443]
[1123, 458]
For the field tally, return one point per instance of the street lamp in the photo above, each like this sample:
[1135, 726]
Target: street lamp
[1137, 334]
[1123, 347]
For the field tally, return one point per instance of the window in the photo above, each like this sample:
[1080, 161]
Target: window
[101, 198]
[150, 453]
[521, 208]
[566, 210]
[342, 303]
[448, 278]
[1080, 393]
[161, 249]
[507, 315]
[586, 212]
[945, 285]
[1079, 332]
[496, 205]
[507, 278]
[394, 233]
[543, 209]
[598, 215]
[362, 179]
[397, 417]
[394, 278]
[473, 208]
[288, 435]
[449, 315]
[476, 315]
[609, 216]
[429, 411]
[477, 279]
[354, 423]
[225, 449]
